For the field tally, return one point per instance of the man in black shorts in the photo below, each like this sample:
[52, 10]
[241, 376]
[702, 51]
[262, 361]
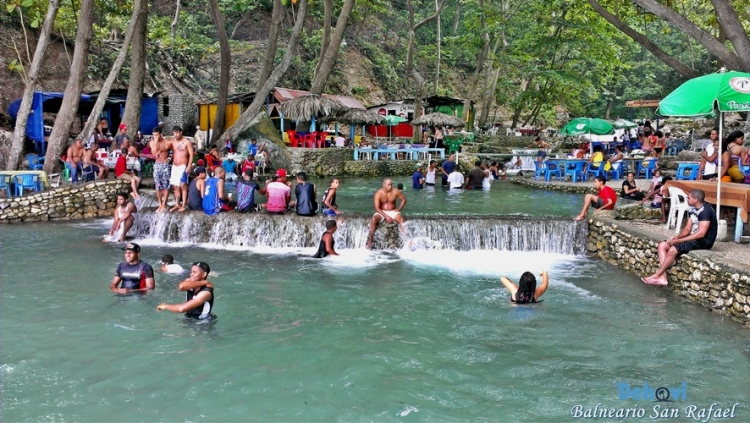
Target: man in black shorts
[698, 234]
[134, 275]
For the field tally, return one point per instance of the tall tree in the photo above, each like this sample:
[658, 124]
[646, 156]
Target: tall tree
[273, 40]
[260, 96]
[72, 96]
[32, 78]
[226, 62]
[332, 50]
[326, 41]
[132, 114]
[437, 47]
[138, 14]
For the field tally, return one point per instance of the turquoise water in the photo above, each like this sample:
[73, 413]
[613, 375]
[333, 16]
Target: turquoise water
[425, 335]
[356, 195]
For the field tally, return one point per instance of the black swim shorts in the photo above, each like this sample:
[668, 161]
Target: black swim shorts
[687, 246]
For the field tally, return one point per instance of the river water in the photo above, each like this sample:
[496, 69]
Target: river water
[414, 334]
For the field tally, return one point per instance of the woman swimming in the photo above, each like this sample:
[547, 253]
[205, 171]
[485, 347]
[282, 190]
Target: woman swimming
[526, 291]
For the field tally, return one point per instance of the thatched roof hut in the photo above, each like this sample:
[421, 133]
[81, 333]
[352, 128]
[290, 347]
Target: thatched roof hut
[438, 119]
[306, 107]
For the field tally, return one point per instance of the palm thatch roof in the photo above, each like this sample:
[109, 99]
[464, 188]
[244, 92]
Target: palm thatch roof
[438, 119]
[305, 107]
[357, 117]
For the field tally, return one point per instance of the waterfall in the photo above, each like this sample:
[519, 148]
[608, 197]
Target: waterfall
[513, 233]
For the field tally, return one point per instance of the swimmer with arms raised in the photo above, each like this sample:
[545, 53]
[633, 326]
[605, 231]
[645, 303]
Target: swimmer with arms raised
[526, 291]
[199, 294]
[385, 208]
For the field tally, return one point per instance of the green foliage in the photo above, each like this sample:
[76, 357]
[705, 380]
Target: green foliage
[16, 66]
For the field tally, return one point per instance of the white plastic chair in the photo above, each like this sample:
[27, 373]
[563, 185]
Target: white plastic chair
[677, 208]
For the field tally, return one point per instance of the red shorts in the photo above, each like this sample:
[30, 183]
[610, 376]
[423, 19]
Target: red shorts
[226, 207]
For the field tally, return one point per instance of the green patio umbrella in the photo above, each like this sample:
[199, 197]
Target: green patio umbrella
[583, 126]
[624, 124]
[725, 91]
[393, 120]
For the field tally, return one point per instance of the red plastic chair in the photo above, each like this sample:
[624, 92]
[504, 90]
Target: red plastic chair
[309, 140]
[321, 139]
[294, 140]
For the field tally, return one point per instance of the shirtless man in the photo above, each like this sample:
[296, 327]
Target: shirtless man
[89, 158]
[74, 158]
[124, 219]
[182, 163]
[385, 208]
[132, 151]
[160, 148]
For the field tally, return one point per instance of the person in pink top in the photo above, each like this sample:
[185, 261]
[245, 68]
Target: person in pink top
[279, 193]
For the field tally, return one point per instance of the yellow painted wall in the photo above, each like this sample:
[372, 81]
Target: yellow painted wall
[207, 115]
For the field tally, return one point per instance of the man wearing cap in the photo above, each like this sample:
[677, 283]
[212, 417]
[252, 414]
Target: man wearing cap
[215, 199]
[279, 193]
[161, 148]
[122, 134]
[182, 162]
[199, 294]
[417, 178]
[132, 275]
[196, 189]
[246, 188]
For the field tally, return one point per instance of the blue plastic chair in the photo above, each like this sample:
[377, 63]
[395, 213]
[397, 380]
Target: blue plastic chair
[539, 166]
[675, 148]
[590, 170]
[687, 171]
[87, 172]
[25, 181]
[650, 166]
[5, 184]
[575, 171]
[616, 174]
[35, 163]
[552, 169]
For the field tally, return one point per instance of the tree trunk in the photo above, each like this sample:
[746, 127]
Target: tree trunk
[326, 67]
[480, 64]
[72, 96]
[226, 62]
[19, 134]
[175, 21]
[704, 38]
[243, 20]
[93, 119]
[733, 30]
[437, 62]
[260, 97]
[273, 40]
[489, 100]
[325, 43]
[518, 109]
[132, 114]
[457, 18]
[608, 110]
[641, 39]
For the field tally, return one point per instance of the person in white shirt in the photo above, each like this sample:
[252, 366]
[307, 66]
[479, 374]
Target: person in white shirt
[340, 141]
[709, 158]
[168, 265]
[429, 177]
[456, 179]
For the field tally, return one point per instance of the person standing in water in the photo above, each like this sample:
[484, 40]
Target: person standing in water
[132, 275]
[325, 248]
[526, 291]
[199, 294]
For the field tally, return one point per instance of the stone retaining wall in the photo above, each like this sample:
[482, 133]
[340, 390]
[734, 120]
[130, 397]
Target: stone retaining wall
[695, 276]
[95, 199]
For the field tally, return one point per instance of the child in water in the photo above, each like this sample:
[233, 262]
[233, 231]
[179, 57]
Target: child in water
[526, 291]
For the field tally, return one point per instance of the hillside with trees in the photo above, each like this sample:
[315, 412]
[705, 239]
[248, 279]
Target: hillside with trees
[520, 61]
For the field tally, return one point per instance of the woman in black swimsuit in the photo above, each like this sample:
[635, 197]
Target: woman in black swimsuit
[526, 291]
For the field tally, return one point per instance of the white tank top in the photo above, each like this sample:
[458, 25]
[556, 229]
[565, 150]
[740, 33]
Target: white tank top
[430, 176]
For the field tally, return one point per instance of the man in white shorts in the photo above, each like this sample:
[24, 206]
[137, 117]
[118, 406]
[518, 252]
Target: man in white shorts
[182, 163]
[385, 208]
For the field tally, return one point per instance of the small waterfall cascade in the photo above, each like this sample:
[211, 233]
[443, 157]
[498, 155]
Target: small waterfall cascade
[463, 233]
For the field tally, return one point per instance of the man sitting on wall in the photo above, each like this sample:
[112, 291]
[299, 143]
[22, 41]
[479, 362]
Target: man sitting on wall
[699, 233]
[604, 201]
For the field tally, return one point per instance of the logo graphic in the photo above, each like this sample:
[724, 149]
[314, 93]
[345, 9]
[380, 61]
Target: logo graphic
[580, 126]
[661, 394]
[740, 84]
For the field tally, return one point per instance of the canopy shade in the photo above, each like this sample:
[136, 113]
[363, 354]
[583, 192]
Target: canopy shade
[391, 120]
[438, 119]
[307, 107]
[624, 124]
[582, 126]
[727, 91]
[356, 117]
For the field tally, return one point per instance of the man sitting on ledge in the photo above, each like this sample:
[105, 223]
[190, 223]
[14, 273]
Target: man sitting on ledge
[699, 233]
[604, 201]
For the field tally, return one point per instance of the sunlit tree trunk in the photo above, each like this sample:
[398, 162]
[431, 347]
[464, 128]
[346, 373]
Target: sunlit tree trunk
[72, 96]
[273, 40]
[329, 60]
[226, 61]
[132, 114]
[19, 134]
